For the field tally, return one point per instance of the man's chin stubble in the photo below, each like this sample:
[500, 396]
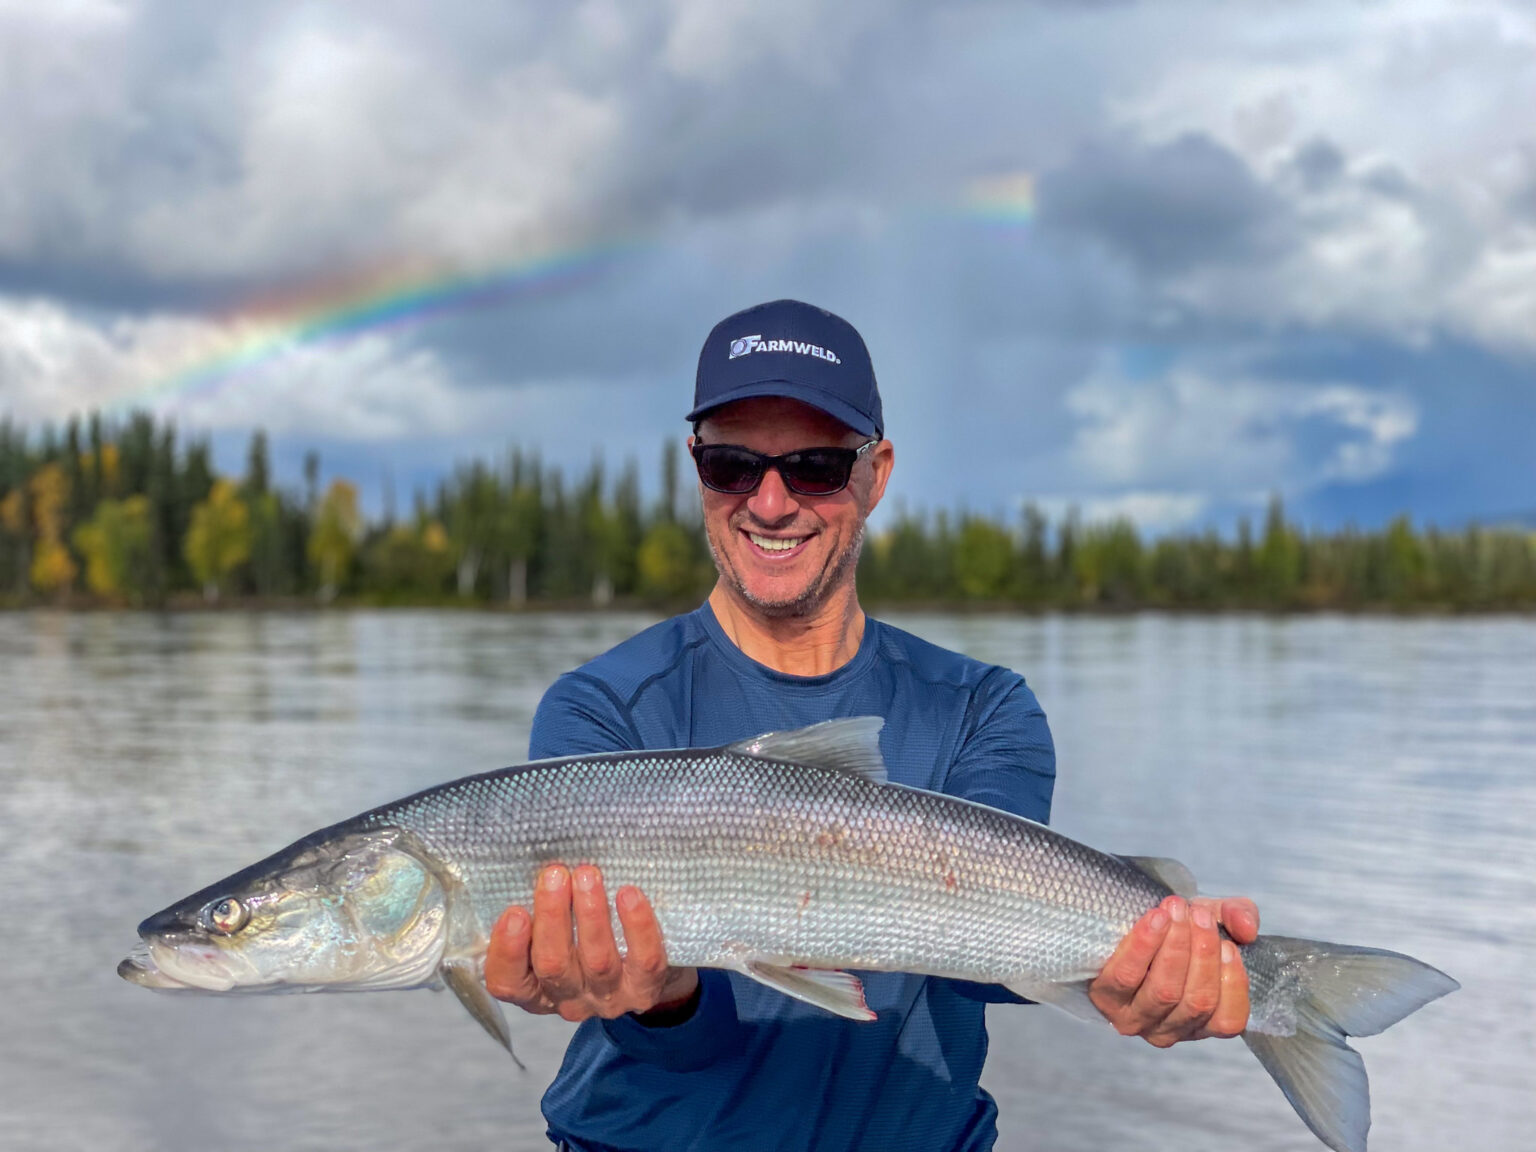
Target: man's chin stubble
[810, 600]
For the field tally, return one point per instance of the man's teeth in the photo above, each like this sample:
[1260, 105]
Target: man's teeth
[770, 544]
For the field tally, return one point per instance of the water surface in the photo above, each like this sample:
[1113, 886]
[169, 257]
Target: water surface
[1366, 780]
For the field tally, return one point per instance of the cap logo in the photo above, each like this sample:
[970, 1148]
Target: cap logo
[746, 345]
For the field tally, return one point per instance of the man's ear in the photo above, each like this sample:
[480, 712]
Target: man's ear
[882, 461]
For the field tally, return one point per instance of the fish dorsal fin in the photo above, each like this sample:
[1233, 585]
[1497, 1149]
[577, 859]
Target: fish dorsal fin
[845, 745]
[1165, 871]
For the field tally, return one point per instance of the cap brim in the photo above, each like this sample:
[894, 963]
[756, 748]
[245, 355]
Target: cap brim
[833, 406]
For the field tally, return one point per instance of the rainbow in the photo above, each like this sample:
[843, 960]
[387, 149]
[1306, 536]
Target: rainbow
[264, 329]
[1008, 198]
[393, 296]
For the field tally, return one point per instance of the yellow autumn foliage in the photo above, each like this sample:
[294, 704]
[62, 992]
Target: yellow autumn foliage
[219, 537]
[53, 568]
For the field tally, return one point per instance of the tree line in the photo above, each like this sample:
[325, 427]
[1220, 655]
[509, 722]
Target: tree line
[127, 513]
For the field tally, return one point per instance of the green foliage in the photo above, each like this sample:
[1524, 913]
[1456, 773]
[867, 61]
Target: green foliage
[115, 543]
[668, 569]
[1279, 557]
[218, 537]
[145, 518]
[985, 564]
[408, 560]
[334, 539]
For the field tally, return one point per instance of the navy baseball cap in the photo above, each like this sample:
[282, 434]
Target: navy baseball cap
[791, 349]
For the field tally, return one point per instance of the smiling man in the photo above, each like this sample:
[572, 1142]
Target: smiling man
[791, 455]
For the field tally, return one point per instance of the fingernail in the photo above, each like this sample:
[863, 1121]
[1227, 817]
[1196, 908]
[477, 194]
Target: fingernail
[586, 879]
[1158, 920]
[515, 921]
[1178, 910]
[628, 899]
[554, 879]
[1228, 952]
[1203, 918]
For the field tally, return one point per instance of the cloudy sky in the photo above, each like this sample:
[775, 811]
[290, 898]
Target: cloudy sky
[1157, 258]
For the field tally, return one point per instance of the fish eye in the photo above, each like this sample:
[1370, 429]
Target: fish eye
[228, 916]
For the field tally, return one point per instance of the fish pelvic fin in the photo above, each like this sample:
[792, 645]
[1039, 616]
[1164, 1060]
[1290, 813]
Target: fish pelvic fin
[838, 992]
[1340, 991]
[844, 745]
[463, 977]
[1070, 995]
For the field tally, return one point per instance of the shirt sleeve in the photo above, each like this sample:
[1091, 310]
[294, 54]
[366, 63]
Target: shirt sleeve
[1007, 760]
[578, 715]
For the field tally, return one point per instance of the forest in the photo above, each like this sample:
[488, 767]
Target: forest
[125, 513]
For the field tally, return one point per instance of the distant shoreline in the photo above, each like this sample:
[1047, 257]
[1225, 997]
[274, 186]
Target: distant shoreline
[190, 604]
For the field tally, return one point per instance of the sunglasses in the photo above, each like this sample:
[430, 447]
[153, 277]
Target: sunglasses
[735, 470]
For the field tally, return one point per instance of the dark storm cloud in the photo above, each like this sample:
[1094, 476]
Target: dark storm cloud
[230, 151]
[1319, 163]
[1166, 207]
[183, 160]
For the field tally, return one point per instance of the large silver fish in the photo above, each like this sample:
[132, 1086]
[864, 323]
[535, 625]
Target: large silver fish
[787, 858]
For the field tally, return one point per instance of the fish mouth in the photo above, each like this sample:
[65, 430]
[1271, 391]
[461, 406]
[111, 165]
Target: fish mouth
[139, 967]
[182, 966]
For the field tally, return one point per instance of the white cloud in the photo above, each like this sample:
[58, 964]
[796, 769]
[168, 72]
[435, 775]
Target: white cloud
[359, 145]
[1423, 93]
[1231, 436]
[371, 387]
[1154, 512]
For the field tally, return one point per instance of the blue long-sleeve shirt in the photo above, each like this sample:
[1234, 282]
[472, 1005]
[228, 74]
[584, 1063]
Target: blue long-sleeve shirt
[752, 1068]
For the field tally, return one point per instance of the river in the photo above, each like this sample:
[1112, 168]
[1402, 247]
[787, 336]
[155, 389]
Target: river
[1369, 780]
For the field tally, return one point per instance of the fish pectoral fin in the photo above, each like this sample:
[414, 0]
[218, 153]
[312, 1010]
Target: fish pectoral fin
[835, 991]
[1170, 872]
[463, 977]
[1071, 996]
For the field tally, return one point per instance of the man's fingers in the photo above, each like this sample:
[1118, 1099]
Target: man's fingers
[599, 953]
[1202, 982]
[1240, 917]
[1231, 1016]
[1167, 975]
[645, 966]
[551, 952]
[507, 973]
[1123, 974]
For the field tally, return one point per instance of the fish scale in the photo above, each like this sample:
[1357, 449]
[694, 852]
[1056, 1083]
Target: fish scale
[745, 856]
[787, 858]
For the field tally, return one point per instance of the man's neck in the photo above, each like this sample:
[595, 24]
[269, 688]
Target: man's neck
[796, 645]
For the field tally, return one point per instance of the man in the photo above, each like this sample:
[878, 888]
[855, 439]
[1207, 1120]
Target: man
[789, 444]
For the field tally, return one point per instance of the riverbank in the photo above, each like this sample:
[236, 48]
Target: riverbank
[191, 603]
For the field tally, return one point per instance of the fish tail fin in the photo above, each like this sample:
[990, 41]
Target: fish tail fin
[1334, 991]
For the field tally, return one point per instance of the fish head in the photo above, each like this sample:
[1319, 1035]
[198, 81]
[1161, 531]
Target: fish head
[351, 911]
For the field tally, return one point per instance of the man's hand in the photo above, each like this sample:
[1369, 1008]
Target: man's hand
[537, 963]
[1174, 978]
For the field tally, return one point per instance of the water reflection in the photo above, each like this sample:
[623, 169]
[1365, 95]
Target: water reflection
[1368, 780]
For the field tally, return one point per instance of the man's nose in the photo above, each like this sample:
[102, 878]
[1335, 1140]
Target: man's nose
[772, 501]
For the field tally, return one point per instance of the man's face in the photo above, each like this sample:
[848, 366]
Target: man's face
[781, 552]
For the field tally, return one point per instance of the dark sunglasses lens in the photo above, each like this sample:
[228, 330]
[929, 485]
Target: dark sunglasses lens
[727, 469]
[819, 471]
